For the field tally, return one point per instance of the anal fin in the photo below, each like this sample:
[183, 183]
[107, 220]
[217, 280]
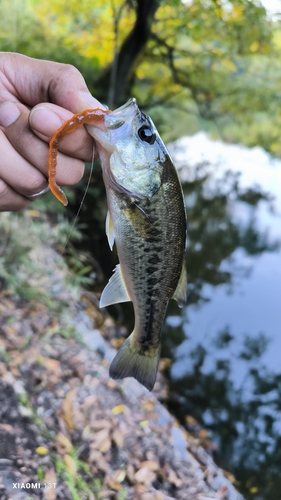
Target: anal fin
[115, 290]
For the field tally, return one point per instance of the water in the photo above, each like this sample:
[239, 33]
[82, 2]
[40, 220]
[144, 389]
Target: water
[226, 344]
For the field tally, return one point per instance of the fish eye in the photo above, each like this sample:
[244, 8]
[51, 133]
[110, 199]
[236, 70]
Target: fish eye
[146, 134]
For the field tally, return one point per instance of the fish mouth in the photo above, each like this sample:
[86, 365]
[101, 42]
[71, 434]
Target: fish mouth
[131, 102]
[103, 131]
[119, 116]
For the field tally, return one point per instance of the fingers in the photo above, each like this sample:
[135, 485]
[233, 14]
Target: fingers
[24, 166]
[17, 172]
[25, 163]
[44, 81]
[10, 200]
[46, 118]
[27, 83]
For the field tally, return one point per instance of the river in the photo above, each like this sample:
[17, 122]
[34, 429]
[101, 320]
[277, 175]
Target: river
[226, 344]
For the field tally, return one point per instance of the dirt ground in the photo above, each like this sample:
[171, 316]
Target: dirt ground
[69, 432]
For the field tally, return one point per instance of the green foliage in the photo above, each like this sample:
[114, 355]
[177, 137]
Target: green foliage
[40, 473]
[79, 482]
[216, 61]
[16, 242]
[219, 60]
[20, 268]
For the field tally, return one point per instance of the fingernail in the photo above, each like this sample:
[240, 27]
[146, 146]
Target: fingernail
[44, 121]
[9, 112]
[90, 100]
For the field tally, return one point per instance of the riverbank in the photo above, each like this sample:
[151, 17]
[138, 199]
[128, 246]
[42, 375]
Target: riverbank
[67, 431]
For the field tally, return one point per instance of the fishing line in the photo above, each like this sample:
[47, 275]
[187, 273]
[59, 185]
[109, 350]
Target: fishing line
[81, 203]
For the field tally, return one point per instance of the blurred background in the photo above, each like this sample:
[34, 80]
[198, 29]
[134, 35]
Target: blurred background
[209, 74]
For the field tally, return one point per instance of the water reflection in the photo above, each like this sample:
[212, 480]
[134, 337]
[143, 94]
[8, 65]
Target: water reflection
[226, 345]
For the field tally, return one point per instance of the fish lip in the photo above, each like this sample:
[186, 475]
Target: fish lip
[132, 102]
[119, 116]
[114, 120]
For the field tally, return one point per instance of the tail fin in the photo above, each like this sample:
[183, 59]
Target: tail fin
[131, 361]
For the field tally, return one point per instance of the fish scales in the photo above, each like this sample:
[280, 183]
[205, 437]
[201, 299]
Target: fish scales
[146, 219]
[153, 268]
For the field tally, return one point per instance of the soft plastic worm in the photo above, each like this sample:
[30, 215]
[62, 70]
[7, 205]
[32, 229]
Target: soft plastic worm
[87, 116]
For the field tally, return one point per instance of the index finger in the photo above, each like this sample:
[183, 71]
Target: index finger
[44, 81]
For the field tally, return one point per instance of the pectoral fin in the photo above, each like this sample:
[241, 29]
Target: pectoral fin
[109, 230]
[115, 290]
[181, 290]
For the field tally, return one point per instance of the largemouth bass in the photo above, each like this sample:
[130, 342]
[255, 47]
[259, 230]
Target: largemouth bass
[146, 220]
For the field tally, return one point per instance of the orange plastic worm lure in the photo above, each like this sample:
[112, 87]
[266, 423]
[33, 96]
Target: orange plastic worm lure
[85, 117]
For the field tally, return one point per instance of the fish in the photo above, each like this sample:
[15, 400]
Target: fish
[146, 220]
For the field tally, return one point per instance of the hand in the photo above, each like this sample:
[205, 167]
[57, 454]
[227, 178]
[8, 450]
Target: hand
[36, 97]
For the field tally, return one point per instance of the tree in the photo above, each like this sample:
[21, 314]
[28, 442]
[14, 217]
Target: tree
[117, 77]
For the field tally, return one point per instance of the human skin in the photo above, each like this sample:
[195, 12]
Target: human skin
[36, 98]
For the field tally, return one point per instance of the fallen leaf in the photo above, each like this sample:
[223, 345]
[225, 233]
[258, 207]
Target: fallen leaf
[52, 364]
[33, 213]
[159, 495]
[50, 477]
[95, 456]
[116, 343]
[100, 437]
[7, 428]
[149, 496]
[106, 494]
[67, 409]
[121, 476]
[151, 465]
[41, 450]
[64, 441]
[130, 473]
[164, 363]
[118, 409]
[174, 479]
[203, 434]
[101, 424]
[148, 404]
[70, 465]
[191, 421]
[144, 423]
[114, 485]
[111, 384]
[105, 445]
[144, 475]
[118, 437]
[140, 488]
[89, 401]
